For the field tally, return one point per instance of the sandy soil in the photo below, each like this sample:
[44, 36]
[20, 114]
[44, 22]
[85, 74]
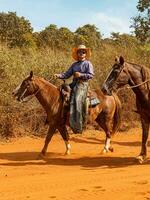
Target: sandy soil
[84, 175]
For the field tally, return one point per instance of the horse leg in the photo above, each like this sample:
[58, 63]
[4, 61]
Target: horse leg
[50, 133]
[107, 129]
[64, 133]
[107, 146]
[145, 131]
[105, 122]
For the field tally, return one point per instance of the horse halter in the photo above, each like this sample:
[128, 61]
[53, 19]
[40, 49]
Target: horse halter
[28, 98]
[115, 78]
[134, 86]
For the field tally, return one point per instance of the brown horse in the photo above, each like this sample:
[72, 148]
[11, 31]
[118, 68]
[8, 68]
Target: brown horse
[106, 114]
[138, 78]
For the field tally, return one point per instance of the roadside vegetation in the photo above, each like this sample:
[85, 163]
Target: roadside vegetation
[49, 51]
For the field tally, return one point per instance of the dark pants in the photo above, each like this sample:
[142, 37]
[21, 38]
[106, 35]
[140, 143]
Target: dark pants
[78, 106]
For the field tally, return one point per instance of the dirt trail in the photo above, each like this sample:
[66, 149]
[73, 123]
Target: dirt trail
[84, 175]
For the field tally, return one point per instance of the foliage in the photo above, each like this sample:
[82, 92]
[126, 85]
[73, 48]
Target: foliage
[88, 35]
[49, 52]
[48, 37]
[15, 31]
[144, 5]
[141, 23]
[64, 39]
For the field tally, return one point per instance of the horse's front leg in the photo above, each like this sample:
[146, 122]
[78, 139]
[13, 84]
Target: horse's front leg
[107, 146]
[145, 131]
[50, 133]
[107, 129]
[105, 123]
[64, 133]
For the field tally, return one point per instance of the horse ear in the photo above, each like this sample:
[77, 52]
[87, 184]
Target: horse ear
[121, 60]
[31, 74]
[117, 59]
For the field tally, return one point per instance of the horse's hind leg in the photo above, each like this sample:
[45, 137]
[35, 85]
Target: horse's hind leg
[107, 146]
[145, 131]
[64, 133]
[105, 122]
[50, 133]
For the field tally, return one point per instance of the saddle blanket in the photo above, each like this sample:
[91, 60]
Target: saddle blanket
[93, 101]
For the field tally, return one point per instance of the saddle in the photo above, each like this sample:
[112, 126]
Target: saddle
[66, 93]
[93, 98]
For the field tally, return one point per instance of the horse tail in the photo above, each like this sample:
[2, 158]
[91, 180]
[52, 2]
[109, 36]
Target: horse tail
[117, 114]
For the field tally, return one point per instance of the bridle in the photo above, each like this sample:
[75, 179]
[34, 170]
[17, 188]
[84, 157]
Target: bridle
[134, 86]
[31, 96]
[28, 98]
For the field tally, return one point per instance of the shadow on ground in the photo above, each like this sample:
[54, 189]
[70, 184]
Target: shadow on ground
[29, 158]
[91, 140]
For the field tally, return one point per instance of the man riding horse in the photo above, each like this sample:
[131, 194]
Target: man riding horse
[82, 71]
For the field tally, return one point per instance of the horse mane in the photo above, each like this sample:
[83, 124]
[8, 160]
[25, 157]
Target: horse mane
[146, 76]
[49, 97]
[144, 72]
[50, 88]
[138, 67]
[46, 82]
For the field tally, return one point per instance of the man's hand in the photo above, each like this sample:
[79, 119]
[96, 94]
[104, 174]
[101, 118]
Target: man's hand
[77, 74]
[56, 75]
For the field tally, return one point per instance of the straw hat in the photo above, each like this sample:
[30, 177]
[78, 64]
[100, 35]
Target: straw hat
[83, 47]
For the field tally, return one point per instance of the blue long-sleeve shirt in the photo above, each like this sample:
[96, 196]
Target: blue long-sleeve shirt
[84, 67]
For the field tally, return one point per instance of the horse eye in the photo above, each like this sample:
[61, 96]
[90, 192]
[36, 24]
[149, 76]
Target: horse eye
[27, 84]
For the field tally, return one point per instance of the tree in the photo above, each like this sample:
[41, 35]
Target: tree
[124, 39]
[144, 5]
[141, 23]
[88, 35]
[15, 31]
[48, 36]
[55, 38]
[65, 38]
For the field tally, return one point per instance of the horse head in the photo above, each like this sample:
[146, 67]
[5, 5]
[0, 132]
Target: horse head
[25, 89]
[118, 76]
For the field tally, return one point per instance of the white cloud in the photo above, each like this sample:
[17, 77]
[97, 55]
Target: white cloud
[108, 24]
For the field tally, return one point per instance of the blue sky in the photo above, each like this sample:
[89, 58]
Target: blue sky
[107, 15]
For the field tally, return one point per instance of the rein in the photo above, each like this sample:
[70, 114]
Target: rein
[130, 87]
[134, 86]
[34, 94]
[31, 96]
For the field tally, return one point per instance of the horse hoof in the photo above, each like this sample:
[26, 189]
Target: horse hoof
[41, 156]
[111, 149]
[141, 159]
[103, 151]
[67, 153]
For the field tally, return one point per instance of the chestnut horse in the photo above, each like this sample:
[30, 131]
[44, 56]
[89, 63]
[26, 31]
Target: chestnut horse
[138, 78]
[106, 114]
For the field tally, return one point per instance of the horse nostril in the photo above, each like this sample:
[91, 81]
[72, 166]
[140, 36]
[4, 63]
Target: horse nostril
[14, 94]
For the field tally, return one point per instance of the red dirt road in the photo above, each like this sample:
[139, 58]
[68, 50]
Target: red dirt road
[84, 175]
